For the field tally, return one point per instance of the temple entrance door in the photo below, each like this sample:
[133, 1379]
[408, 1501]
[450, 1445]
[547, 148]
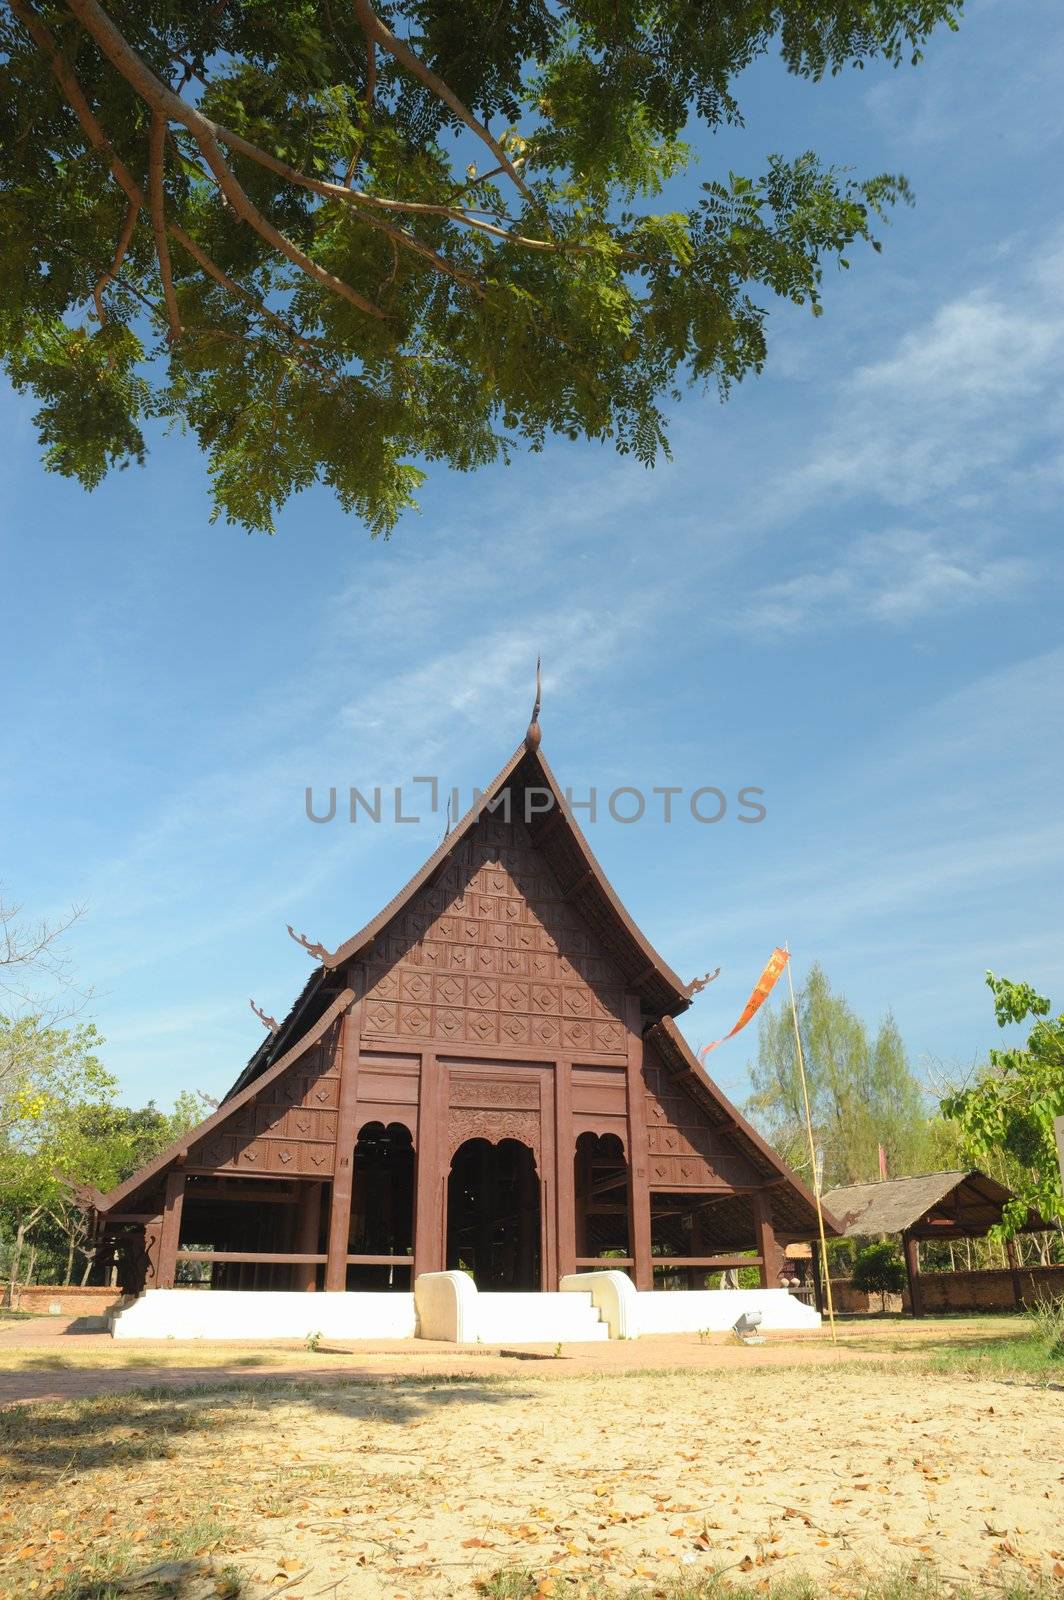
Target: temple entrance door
[493, 1215]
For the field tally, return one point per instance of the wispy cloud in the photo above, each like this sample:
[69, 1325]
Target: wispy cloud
[896, 578]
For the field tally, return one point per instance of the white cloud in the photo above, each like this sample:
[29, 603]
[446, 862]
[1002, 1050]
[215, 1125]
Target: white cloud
[896, 578]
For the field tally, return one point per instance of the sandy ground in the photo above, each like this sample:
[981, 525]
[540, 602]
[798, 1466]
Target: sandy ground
[415, 1488]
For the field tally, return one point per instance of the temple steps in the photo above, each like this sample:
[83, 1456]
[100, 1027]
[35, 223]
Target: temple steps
[539, 1318]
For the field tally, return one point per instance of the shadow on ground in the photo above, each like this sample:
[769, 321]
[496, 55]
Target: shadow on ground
[136, 1425]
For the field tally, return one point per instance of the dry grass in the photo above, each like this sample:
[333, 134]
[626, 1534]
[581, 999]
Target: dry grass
[870, 1337]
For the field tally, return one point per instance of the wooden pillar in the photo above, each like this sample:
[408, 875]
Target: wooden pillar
[346, 1118]
[911, 1248]
[564, 1181]
[582, 1176]
[638, 1179]
[1014, 1272]
[170, 1232]
[698, 1248]
[153, 1232]
[765, 1235]
[308, 1232]
[431, 1128]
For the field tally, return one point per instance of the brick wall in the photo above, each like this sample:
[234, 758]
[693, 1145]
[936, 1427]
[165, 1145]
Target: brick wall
[987, 1290]
[51, 1299]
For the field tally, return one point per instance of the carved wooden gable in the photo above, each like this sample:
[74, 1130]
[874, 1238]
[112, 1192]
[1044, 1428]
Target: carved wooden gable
[685, 1149]
[290, 1127]
[491, 953]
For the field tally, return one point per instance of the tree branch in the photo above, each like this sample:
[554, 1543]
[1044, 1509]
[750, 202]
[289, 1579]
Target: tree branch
[374, 28]
[161, 98]
[129, 222]
[157, 204]
[214, 271]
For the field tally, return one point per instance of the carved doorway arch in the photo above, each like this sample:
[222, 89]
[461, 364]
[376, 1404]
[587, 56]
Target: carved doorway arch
[494, 1214]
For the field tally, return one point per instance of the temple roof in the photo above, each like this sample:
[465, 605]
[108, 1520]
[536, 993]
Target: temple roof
[583, 883]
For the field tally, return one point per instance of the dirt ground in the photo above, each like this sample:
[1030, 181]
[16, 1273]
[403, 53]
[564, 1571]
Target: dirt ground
[414, 1488]
[47, 1359]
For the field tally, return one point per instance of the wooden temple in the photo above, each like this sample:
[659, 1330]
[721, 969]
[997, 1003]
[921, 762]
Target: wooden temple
[487, 1076]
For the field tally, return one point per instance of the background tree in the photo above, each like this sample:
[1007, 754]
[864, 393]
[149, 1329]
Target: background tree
[862, 1092]
[60, 1125]
[336, 241]
[1010, 1109]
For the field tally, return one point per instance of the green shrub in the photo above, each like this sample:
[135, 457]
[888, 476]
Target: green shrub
[878, 1269]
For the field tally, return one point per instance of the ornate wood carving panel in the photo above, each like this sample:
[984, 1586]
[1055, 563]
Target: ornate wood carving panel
[509, 1105]
[289, 1128]
[684, 1148]
[492, 954]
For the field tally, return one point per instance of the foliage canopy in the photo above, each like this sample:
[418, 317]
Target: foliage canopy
[334, 242]
[1013, 1105]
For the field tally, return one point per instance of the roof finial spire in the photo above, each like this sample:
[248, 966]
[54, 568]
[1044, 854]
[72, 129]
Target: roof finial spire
[534, 734]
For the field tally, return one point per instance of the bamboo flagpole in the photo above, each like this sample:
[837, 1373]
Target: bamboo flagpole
[812, 1151]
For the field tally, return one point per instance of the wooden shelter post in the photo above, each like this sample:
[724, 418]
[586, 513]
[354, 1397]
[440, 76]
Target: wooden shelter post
[343, 1169]
[307, 1226]
[638, 1181]
[1014, 1272]
[911, 1249]
[766, 1241]
[170, 1232]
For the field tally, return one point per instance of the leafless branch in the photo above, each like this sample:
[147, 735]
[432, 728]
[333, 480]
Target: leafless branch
[35, 978]
[374, 28]
[156, 194]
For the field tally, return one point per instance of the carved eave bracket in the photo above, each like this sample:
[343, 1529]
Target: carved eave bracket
[270, 1023]
[318, 951]
[696, 985]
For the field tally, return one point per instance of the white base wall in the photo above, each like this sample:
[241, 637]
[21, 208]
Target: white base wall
[716, 1310]
[447, 1305]
[264, 1314]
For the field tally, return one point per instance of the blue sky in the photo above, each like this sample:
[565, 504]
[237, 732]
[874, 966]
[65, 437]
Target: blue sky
[845, 589]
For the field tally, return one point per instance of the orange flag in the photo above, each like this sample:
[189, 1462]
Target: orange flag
[762, 989]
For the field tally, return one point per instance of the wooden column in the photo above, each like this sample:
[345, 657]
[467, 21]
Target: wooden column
[428, 1176]
[170, 1232]
[565, 1180]
[765, 1235]
[911, 1249]
[638, 1180]
[1014, 1272]
[308, 1227]
[343, 1169]
[153, 1232]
